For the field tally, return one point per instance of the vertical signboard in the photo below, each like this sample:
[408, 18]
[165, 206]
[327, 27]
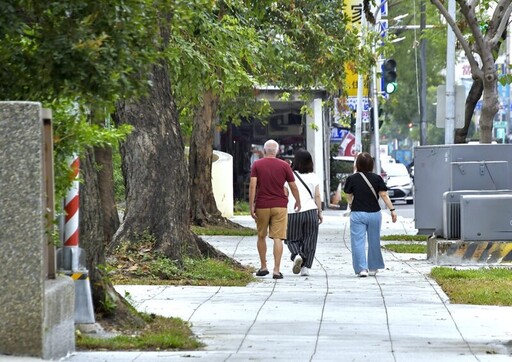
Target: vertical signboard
[353, 10]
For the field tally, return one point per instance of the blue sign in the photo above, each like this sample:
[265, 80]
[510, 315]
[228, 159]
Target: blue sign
[338, 134]
[384, 8]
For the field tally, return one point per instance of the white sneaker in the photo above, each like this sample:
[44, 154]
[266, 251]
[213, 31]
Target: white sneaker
[363, 273]
[304, 271]
[297, 263]
[372, 273]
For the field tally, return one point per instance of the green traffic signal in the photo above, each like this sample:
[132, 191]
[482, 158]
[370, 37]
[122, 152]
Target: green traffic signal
[389, 76]
[391, 87]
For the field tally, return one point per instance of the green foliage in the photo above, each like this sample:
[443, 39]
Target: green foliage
[108, 304]
[484, 286]
[78, 59]
[231, 48]
[91, 49]
[339, 172]
[505, 79]
[73, 134]
[162, 267]
[242, 207]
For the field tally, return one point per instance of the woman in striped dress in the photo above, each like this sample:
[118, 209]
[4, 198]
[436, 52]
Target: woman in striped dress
[302, 232]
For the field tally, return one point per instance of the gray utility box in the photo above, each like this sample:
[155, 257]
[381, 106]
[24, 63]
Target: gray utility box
[442, 168]
[452, 205]
[493, 214]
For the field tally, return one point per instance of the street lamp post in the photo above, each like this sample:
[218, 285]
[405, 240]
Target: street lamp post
[423, 75]
[449, 130]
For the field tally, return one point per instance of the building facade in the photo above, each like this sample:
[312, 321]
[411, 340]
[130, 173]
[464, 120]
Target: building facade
[286, 125]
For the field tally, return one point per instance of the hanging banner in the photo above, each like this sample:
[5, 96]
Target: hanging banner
[353, 9]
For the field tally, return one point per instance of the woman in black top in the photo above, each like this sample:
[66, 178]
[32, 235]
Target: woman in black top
[366, 218]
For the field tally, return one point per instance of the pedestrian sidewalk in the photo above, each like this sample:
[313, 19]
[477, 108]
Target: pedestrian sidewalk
[331, 315]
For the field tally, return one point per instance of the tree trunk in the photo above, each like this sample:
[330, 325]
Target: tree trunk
[103, 157]
[156, 178]
[474, 95]
[490, 102]
[204, 210]
[107, 302]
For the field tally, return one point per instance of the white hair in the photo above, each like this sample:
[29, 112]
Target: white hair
[271, 147]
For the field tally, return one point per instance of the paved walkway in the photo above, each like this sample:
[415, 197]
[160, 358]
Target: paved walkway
[331, 315]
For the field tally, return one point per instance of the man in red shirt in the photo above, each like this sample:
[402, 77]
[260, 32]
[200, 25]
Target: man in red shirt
[269, 202]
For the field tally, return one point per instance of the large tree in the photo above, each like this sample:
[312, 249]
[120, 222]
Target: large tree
[78, 58]
[155, 173]
[298, 45]
[211, 55]
[480, 32]
[154, 161]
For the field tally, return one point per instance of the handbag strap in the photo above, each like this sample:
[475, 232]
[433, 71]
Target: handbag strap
[369, 184]
[307, 188]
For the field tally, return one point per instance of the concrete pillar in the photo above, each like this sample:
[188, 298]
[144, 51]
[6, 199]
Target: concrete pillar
[36, 313]
[315, 140]
[222, 170]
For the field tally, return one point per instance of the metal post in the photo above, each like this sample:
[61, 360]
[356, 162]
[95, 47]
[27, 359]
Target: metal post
[508, 44]
[376, 132]
[449, 130]
[360, 85]
[50, 260]
[423, 75]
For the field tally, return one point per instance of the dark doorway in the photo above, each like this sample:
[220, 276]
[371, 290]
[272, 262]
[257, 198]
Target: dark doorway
[245, 143]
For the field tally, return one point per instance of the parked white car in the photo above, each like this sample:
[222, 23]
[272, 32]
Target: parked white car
[399, 183]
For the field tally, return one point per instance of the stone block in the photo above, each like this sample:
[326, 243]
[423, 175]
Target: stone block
[59, 321]
[23, 299]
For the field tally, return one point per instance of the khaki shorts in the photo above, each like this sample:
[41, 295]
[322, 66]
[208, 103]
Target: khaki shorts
[273, 220]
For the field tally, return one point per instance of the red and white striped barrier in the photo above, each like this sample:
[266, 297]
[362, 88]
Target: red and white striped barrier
[73, 257]
[71, 204]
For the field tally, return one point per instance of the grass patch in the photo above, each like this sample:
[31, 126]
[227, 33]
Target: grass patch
[489, 286]
[403, 237]
[140, 264]
[407, 248]
[221, 230]
[241, 207]
[159, 334]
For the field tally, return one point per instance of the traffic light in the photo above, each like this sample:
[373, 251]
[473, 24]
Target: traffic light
[381, 119]
[353, 121]
[389, 75]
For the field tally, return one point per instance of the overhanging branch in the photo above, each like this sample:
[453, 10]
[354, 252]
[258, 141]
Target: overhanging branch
[501, 17]
[475, 69]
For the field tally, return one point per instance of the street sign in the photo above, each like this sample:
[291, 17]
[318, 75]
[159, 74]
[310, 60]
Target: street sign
[353, 10]
[338, 134]
[351, 82]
